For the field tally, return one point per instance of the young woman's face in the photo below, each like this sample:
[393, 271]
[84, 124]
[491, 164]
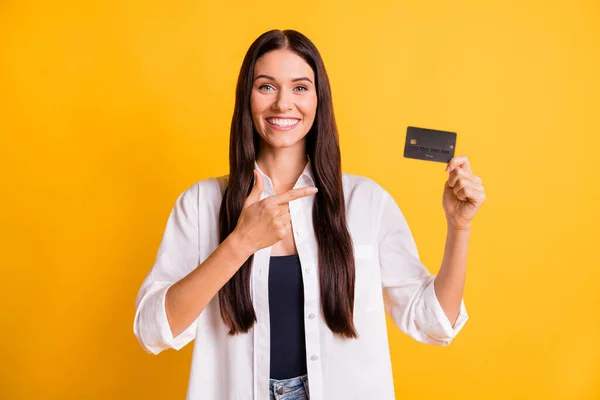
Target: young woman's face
[283, 100]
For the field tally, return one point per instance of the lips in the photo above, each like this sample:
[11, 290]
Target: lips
[286, 126]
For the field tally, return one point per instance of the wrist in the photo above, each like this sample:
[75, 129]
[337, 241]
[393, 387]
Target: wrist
[239, 246]
[459, 228]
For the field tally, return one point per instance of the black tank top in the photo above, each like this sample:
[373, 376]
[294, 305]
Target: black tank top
[286, 308]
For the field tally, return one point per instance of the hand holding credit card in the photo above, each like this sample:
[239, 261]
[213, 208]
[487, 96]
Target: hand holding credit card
[429, 144]
[463, 191]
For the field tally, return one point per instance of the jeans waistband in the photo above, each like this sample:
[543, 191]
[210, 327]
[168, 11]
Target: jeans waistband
[292, 388]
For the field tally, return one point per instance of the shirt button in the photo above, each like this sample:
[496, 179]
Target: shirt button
[299, 232]
[307, 270]
[314, 358]
[311, 315]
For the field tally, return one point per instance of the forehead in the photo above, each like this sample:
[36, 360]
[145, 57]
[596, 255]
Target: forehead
[283, 65]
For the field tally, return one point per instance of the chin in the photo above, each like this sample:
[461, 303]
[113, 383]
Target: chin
[279, 140]
[282, 144]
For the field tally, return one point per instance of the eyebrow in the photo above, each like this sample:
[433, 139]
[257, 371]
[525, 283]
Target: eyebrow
[303, 78]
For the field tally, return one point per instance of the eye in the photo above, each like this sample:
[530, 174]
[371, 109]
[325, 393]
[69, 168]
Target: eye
[264, 86]
[304, 88]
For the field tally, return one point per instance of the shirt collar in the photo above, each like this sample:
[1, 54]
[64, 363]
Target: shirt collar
[307, 172]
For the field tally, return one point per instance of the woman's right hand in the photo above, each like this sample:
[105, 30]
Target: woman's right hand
[263, 223]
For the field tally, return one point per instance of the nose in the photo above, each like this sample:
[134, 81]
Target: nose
[283, 102]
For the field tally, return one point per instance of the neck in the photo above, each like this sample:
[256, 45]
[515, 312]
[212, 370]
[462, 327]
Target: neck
[283, 166]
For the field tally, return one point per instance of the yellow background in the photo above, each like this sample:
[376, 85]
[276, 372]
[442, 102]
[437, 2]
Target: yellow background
[110, 109]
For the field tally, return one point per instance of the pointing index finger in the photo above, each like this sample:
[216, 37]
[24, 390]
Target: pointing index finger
[293, 194]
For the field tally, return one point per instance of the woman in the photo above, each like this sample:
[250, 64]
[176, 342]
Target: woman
[284, 288]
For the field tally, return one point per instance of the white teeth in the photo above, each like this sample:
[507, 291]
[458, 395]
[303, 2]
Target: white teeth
[282, 122]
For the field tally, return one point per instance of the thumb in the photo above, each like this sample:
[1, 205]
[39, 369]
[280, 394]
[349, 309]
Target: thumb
[257, 189]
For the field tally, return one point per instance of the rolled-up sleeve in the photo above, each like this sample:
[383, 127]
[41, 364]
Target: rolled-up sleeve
[408, 287]
[177, 256]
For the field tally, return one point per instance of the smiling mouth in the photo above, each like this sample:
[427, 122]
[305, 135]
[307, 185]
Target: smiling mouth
[282, 123]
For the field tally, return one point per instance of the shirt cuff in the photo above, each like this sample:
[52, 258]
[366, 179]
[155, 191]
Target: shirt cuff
[152, 326]
[433, 320]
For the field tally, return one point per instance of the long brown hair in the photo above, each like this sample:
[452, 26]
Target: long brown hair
[336, 255]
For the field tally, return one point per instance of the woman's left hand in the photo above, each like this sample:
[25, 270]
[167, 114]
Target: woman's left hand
[463, 194]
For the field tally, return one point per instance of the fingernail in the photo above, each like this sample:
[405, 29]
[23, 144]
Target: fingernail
[314, 190]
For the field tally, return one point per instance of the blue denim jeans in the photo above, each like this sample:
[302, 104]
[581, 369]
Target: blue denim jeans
[289, 389]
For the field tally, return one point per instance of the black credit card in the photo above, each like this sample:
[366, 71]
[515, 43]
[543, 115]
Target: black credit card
[429, 144]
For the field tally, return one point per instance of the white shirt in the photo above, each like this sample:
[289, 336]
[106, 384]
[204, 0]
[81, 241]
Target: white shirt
[389, 277]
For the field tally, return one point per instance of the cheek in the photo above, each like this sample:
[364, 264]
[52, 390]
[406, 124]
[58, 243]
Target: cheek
[256, 108]
[308, 107]
[253, 104]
